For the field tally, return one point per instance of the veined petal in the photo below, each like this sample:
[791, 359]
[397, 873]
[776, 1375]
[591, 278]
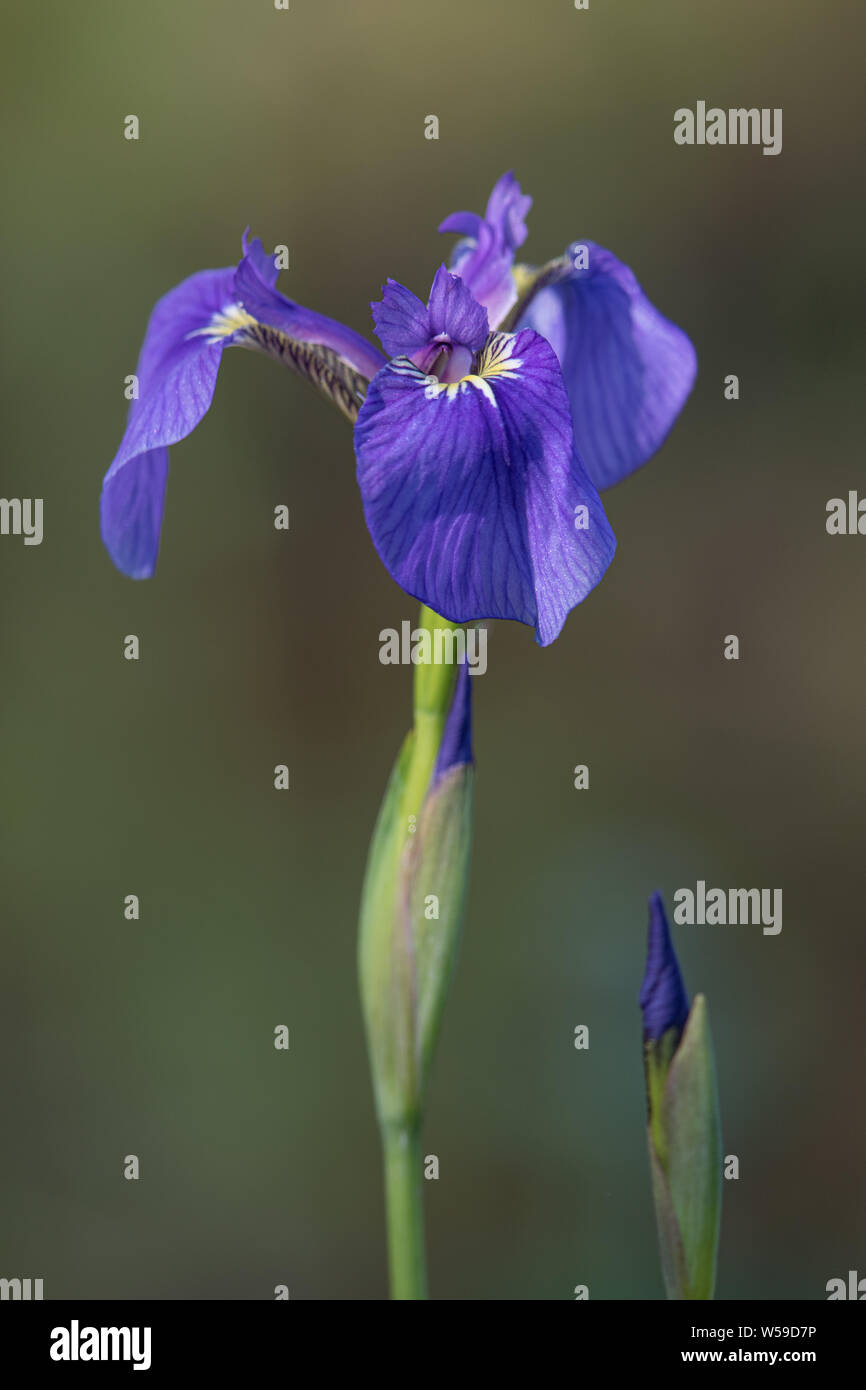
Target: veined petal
[472, 492]
[628, 370]
[455, 313]
[485, 257]
[177, 371]
[402, 321]
[131, 509]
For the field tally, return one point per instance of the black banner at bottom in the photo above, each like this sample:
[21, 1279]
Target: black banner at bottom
[158, 1338]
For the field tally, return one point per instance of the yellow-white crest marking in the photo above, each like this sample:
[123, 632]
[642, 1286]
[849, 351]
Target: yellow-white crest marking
[231, 319]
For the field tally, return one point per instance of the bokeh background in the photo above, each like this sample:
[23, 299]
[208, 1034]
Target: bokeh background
[155, 778]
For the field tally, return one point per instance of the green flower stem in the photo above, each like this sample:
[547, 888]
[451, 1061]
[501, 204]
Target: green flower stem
[392, 950]
[401, 1141]
[404, 1207]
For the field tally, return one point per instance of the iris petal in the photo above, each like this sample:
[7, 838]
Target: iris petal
[506, 209]
[472, 492]
[406, 327]
[264, 265]
[485, 258]
[455, 313]
[627, 368]
[131, 512]
[177, 372]
[402, 321]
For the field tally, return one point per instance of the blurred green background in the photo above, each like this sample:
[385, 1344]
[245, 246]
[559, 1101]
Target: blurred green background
[258, 647]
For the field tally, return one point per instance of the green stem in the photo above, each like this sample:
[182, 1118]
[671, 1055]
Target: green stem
[389, 986]
[404, 1211]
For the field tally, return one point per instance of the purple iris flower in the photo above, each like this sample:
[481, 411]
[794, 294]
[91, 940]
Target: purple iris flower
[503, 404]
[663, 996]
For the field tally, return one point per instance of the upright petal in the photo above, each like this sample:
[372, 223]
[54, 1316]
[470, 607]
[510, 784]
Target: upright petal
[472, 492]
[407, 328]
[264, 265]
[628, 370]
[506, 210]
[455, 313]
[485, 256]
[402, 321]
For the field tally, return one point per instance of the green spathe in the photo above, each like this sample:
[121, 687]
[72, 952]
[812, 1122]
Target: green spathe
[686, 1160]
[411, 907]
[412, 902]
[406, 954]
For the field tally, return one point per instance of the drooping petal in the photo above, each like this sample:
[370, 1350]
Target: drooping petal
[131, 512]
[485, 257]
[627, 368]
[177, 371]
[472, 492]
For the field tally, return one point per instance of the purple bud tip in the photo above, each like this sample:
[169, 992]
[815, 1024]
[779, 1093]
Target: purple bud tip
[663, 997]
[456, 745]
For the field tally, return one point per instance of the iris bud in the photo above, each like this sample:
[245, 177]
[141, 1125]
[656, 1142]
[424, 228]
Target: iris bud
[414, 889]
[683, 1129]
